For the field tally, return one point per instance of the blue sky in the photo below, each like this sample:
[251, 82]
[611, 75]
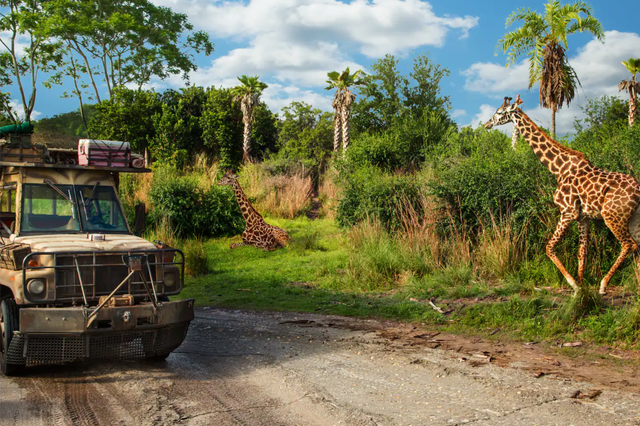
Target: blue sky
[293, 44]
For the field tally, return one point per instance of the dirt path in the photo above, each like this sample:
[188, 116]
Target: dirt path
[241, 368]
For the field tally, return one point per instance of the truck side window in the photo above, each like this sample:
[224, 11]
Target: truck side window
[8, 210]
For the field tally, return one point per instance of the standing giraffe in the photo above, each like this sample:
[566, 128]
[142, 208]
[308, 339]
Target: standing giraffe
[257, 233]
[584, 192]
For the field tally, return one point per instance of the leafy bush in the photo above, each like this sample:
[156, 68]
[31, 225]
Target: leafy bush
[368, 193]
[193, 211]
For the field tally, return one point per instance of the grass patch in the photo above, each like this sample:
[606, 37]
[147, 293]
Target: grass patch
[323, 271]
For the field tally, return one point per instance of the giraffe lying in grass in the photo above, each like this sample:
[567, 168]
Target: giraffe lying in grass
[584, 192]
[257, 233]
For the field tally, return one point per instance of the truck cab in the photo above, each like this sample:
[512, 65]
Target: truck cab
[75, 282]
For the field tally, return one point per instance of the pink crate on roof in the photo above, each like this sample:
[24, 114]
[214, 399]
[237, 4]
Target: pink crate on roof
[96, 152]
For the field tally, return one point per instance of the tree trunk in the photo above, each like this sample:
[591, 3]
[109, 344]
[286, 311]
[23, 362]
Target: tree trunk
[337, 124]
[633, 103]
[553, 121]
[346, 137]
[246, 143]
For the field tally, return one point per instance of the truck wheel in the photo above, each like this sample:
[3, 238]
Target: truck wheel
[8, 324]
[157, 358]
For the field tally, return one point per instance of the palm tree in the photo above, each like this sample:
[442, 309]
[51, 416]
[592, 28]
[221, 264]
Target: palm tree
[632, 87]
[544, 39]
[248, 93]
[342, 102]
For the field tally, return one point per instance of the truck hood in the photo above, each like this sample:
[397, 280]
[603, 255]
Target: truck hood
[81, 242]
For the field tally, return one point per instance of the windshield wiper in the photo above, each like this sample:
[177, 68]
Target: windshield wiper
[59, 191]
[65, 196]
[90, 197]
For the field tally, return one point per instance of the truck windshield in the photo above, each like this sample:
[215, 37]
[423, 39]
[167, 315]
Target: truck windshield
[99, 209]
[44, 209]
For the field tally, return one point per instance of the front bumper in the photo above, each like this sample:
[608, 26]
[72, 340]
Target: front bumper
[60, 335]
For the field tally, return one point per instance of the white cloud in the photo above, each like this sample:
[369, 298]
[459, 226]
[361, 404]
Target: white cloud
[278, 96]
[21, 42]
[487, 77]
[18, 109]
[295, 43]
[458, 113]
[597, 64]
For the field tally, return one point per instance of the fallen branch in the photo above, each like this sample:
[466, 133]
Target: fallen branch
[435, 307]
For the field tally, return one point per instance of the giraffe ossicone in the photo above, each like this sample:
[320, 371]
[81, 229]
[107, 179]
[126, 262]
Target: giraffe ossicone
[257, 233]
[584, 192]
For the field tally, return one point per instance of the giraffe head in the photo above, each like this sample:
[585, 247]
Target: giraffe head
[504, 114]
[228, 179]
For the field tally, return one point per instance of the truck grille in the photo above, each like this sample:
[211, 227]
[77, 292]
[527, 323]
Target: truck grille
[99, 278]
[102, 272]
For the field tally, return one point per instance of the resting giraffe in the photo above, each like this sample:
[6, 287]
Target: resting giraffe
[584, 192]
[257, 233]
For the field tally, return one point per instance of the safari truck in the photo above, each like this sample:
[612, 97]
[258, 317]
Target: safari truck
[75, 281]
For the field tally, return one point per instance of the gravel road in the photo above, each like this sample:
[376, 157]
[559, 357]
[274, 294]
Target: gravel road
[244, 368]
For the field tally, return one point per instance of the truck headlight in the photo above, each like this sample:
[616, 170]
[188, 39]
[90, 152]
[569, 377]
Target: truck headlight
[36, 286]
[170, 279]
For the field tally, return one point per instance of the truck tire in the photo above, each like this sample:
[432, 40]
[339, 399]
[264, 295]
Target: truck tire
[8, 324]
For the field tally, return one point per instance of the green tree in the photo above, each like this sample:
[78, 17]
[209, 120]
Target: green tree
[222, 128]
[178, 126]
[409, 110]
[121, 43]
[248, 94]
[21, 68]
[305, 135]
[543, 38]
[127, 117]
[342, 101]
[68, 123]
[264, 133]
[632, 87]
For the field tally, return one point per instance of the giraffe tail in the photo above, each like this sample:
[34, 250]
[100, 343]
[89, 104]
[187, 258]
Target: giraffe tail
[634, 226]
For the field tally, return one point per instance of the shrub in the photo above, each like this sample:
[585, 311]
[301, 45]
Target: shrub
[193, 211]
[370, 193]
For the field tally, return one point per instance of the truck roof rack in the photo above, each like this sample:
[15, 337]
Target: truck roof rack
[74, 167]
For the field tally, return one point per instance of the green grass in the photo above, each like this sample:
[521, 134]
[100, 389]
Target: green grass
[316, 274]
[301, 278]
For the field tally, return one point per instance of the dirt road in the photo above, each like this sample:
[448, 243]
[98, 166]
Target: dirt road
[239, 368]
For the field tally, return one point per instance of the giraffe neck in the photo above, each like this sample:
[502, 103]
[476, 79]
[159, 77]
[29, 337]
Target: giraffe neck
[248, 212]
[556, 157]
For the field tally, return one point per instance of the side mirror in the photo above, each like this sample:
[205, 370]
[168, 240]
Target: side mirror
[139, 223]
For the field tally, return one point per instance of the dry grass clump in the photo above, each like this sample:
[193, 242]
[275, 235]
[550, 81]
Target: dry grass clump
[499, 249]
[284, 196]
[204, 171]
[420, 234]
[329, 195]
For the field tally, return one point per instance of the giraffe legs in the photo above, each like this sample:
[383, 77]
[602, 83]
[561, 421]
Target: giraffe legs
[621, 231]
[236, 245]
[583, 227]
[561, 229]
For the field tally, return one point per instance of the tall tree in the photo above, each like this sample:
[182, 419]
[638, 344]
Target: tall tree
[632, 87]
[121, 43]
[27, 51]
[543, 38]
[248, 94]
[342, 101]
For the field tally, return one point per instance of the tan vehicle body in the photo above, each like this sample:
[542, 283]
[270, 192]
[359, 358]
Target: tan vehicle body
[87, 309]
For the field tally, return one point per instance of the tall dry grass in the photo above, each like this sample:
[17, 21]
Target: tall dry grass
[284, 196]
[329, 194]
[499, 249]
[204, 171]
